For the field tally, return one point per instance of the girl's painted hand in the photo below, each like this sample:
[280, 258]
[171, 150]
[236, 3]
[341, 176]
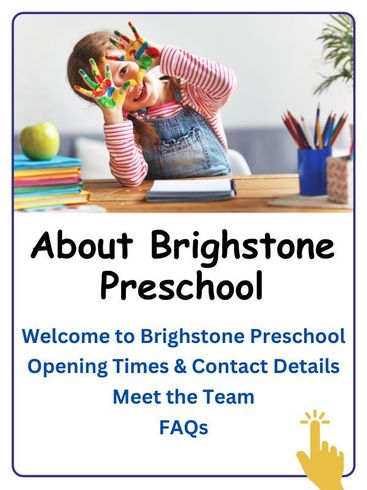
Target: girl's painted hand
[102, 88]
[138, 50]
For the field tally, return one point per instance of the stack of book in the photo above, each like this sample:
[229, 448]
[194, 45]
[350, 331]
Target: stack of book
[48, 183]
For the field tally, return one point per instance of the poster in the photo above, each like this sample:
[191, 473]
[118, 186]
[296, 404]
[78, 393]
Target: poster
[205, 345]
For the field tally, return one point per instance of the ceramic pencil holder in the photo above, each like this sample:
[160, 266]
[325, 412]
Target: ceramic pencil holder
[340, 180]
[312, 171]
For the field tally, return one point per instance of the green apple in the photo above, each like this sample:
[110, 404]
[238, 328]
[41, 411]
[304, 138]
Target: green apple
[40, 141]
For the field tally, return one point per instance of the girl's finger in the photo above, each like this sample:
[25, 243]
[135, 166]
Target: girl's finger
[140, 75]
[88, 80]
[141, 51]
[115, 58]
[83, 91]
[118, 44]
[127, 86]
[107, 69]
[136, 34]
[95, 71]
[123, 37]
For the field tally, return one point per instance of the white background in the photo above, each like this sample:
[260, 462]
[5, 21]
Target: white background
[8, 479]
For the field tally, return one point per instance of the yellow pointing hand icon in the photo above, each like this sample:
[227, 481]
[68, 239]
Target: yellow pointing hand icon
[324, 467]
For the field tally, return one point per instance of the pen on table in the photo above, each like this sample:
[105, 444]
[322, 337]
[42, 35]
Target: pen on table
[299, 131]
[338, 128]
[307, 133]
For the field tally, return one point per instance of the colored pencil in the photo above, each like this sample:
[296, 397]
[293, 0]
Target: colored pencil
[326, 129]
[322, 139]
[338, 123]
[318, 130]
[307, 133]
[330, 130]
[315, 134]
[338, 128]
[299, 130]
[291, 131]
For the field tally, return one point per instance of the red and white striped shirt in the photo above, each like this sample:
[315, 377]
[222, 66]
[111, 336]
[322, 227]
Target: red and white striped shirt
[207, 88]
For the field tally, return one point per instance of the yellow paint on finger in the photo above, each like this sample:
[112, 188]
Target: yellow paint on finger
[118, 97]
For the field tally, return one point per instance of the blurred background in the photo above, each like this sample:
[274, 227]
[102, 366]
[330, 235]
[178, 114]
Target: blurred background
[277, 58]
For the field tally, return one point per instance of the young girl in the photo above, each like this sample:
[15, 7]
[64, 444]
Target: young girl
[154, 128]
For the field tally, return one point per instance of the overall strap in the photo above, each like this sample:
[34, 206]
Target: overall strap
[177, 92]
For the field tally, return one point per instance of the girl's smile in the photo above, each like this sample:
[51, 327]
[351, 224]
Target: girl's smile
[140, 92]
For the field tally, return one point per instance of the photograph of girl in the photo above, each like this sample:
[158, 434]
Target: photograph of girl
[155, 128]
[182, 112]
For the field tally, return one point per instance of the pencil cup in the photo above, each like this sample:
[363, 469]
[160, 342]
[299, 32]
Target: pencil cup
[312, 171]
[340, 180]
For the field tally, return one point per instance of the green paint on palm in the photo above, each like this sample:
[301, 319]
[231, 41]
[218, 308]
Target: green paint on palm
[106, 102]
[146, 62]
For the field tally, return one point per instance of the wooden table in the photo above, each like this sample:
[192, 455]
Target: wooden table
[253, 192]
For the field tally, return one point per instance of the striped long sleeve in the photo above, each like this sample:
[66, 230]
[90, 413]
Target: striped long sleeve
[127, 163]
[209, 83]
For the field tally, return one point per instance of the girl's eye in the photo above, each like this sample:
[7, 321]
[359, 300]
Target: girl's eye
[123, 71]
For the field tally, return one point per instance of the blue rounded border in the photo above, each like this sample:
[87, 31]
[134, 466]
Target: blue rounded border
[12, 257]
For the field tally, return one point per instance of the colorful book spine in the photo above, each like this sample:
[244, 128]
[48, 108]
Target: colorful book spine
[55, 182]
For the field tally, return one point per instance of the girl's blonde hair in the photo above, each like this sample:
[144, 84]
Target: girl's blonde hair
[95, 46]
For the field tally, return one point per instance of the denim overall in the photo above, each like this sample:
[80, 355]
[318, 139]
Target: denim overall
[189, 147]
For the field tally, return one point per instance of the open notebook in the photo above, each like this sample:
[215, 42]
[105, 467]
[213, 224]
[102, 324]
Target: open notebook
[191, 190]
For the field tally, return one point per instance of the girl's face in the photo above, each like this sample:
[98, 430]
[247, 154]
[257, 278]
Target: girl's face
[138, 97]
